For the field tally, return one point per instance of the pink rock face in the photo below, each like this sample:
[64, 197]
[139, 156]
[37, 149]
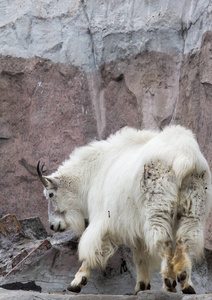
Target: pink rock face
[194, 108]
[45, 113]
[49, 109]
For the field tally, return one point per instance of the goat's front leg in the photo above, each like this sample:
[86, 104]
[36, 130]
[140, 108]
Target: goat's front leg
[141, 261]
[92, 253]
[81, 278]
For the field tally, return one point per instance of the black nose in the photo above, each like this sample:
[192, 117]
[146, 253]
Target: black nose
[52, 227]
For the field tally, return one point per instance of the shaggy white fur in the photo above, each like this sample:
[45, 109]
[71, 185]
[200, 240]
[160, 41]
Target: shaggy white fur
[145, 189]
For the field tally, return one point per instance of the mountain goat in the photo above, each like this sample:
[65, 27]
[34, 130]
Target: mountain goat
[145, 189]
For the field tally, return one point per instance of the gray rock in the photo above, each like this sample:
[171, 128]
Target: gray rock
[150, 295]
[33, 228]
[88, 34]
[52, 268]
[22, 295]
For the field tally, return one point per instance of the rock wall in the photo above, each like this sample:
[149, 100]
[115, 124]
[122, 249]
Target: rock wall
[72, 71]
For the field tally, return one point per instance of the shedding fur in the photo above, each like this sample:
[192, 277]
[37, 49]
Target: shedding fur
[146, 189]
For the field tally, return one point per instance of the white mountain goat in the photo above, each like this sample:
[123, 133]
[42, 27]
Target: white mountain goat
[148, 190]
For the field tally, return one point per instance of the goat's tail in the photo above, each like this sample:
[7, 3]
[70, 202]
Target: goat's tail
[183, 165]
[182, 152]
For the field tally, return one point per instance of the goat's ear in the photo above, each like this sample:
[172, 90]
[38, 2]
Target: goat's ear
[53, 181]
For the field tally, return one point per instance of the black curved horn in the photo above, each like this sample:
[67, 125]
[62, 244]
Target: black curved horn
[40, 174]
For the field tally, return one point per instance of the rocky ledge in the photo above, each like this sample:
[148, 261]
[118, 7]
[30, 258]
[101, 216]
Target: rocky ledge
[33, 261]
[147, 295]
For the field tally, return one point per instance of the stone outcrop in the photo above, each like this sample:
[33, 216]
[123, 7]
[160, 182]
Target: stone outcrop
[21, 295]
[88, 34]
[33, 261]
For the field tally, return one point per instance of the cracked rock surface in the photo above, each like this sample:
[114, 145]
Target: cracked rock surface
[11, 295]
[90, 33]
[47, 264]
[49, 109]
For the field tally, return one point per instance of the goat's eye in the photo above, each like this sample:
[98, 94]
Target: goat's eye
[51, 195]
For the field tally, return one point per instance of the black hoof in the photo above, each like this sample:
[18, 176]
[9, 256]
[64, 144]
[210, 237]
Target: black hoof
[171, 286]
[182, 276]
[74, 288]
[168, 283]
[189, 290]
[144, 287]
[148, 286]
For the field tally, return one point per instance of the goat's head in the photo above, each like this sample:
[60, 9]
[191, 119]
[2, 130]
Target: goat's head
[51, 185]
[63, 207]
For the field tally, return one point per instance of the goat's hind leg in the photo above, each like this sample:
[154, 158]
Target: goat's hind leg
[168, 274]
[182, 267]
[161, 189]
[190, 233]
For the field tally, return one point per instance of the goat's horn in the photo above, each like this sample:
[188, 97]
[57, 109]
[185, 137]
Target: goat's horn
[40, 174]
